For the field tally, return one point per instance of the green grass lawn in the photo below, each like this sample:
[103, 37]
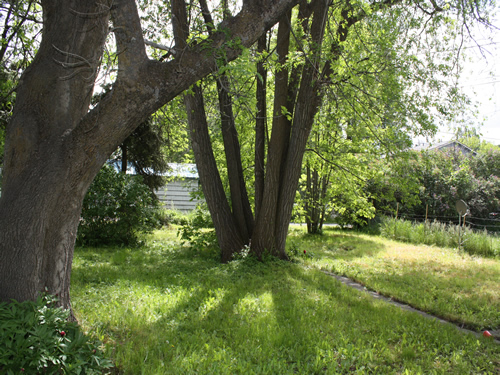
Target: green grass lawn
[167, 309]
[451, 284]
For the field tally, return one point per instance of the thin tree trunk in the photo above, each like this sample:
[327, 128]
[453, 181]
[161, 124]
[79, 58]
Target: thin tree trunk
[240, 203]
[124, 166]
[266, 221]
[308, 101]
[271, 232]
[325, 181]
[232, 234]
[260, 126]
[239, 198]
[315, 202]
[228, 235]
[308, 199]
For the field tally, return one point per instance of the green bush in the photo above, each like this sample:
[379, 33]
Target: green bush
[116, 210]
[438, 180]
[199, 231]
[175, 217]
[38, 338]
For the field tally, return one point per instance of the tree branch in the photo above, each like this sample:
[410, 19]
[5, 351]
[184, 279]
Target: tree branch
[129, 39]
[334, 164]
[160, 82]
[159, 46]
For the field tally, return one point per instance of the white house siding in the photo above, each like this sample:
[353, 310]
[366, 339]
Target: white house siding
[176, 194]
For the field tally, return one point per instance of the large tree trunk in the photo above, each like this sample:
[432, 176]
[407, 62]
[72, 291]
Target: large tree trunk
[44, 182]
[56, 144]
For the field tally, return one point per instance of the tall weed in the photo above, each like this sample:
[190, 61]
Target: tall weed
[440, 234]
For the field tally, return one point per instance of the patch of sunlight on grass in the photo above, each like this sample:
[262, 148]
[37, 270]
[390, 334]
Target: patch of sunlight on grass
[451, 284]
[166, 309]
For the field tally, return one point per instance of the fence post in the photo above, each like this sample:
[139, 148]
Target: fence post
[459, 232]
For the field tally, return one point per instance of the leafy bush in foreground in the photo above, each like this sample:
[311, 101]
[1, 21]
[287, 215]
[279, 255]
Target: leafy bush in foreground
[116, 209]
[38, 338]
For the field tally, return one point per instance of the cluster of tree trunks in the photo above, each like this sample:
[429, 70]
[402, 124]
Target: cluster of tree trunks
[56, 143]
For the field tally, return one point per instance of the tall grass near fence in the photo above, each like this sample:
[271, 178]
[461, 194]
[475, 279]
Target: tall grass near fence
[441, 234]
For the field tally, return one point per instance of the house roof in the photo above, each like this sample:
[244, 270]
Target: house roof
[179, 170]
[446, 145]
[183, 170]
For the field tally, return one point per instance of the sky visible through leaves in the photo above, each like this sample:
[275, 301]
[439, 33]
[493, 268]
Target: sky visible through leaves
[481, 81]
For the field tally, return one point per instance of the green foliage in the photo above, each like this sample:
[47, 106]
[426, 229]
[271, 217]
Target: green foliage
[384, 90]
[430, 183]
[143, 149]
[294, 252]
[21, 25]
[116, 210]
[174, 217]
[7, 99]
[37, 338]
[199, 231]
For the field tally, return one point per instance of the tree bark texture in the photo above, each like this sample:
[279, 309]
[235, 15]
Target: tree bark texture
[44, 175]
[286, 147]
[240, 203]
[56, 143]
[280, 136]
[230, 225]
[239, 197]
[283, 170]
[228, 234]
[260, 126]
[315, 194]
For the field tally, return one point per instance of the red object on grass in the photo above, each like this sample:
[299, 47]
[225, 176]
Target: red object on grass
[486, 334]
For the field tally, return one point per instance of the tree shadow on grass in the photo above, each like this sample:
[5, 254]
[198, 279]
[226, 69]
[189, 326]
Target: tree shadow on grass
[245, 316]
[453, 295]
[335, 244]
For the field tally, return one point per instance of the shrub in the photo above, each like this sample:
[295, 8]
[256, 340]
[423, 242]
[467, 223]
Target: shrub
[38, 338]
[117, 208]
[199, 231]
[176, 217]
